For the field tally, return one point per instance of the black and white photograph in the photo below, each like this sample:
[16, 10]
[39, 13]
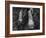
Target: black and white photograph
[26, 18]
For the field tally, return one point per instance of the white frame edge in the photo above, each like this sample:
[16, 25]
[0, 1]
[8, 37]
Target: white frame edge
[25, 31]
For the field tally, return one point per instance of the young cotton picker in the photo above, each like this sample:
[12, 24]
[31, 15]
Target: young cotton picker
[30, 22]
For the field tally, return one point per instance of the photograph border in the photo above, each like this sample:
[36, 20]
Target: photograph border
[25, 31]
[7, 18]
